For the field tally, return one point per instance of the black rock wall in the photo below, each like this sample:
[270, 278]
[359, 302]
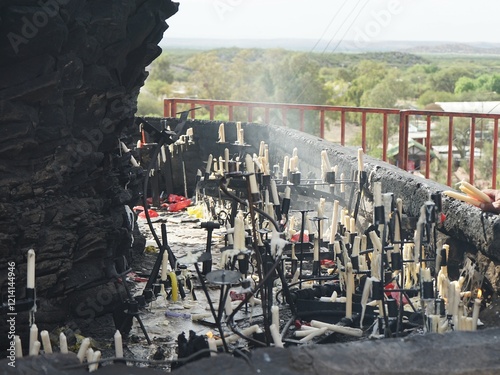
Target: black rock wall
[70, 72]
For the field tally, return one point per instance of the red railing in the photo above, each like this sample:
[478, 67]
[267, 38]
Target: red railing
[403, 116]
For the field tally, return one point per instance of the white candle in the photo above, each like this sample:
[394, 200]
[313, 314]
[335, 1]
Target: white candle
[222, 134]
[238, 132]
[321, 214]
[285, 166]
[316, 249]
[118, 344]
[250, 169]
[339, 329]
[349, 290]
[325, 164]
[306, 330]
[164, 266]
[63, 343]
[397, 228]
[274, 191]
[276, 336]
[163, 154]
[233, 338]
[35, 349]
[335, 216]
[377, 193]
[239, 232]
[360, 159]
[33, 336]
[261, 148]
[312, 334]
[230, 240]
[47, 346]
[426, 274]
[288, 192]
[242, 137]
[208, 169]
[31, 269]
[228, 308]
[356, 246]
[212, 346]
[96, 358]
[352, 225]
[275, 315]
[226, 159]
[342, 185]
[347, 221]
[18, 347]
[89, 355]
[292, 164]
[83, 349]
[475, 313]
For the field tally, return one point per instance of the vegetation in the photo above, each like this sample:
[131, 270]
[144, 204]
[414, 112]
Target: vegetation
[385, 79]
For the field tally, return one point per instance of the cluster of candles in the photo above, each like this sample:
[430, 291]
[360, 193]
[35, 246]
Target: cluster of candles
[403, 259]
[85, 352]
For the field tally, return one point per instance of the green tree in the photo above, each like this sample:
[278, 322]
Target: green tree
[160, 69]
[209, 76]
[445, 79]
[465, 84]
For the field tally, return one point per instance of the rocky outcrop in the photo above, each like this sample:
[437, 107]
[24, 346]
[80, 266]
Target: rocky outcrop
[70, 72]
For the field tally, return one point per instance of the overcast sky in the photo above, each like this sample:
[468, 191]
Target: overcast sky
[362, 20]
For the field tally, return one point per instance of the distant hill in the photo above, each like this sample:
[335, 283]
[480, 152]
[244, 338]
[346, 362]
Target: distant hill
[347, 46]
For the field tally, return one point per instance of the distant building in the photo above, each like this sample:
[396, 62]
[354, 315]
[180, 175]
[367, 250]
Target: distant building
[471, 107]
